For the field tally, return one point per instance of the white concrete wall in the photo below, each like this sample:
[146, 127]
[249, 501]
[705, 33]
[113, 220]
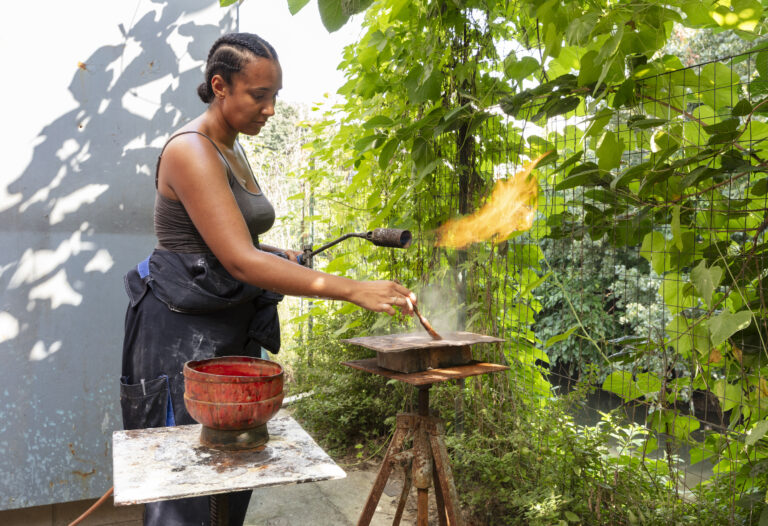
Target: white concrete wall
[91, 89]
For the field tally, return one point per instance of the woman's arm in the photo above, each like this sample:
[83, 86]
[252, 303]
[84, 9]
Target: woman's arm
[193, 172]
[292, 254]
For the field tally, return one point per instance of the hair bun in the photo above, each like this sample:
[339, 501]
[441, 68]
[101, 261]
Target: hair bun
[204, 92]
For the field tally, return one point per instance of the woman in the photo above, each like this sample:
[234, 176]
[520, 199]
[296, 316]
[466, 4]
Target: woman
[210, 288]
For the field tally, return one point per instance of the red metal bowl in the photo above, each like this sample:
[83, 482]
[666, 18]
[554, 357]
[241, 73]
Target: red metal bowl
[233, 416]
[232, 379]
[233, 392]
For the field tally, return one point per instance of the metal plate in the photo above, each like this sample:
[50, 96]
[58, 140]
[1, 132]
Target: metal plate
[432, 376]
[170, 463]
[419, 340]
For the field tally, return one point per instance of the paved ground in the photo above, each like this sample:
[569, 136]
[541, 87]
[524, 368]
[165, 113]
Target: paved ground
[328, 503]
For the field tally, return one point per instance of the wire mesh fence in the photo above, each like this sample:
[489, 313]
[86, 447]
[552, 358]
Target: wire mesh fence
[638, 292]
[649, 240]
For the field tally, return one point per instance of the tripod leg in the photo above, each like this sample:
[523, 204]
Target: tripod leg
[422, 514]
[445, 479]
[384, 471]
[439, 498]
[422, 472]
[403, 496]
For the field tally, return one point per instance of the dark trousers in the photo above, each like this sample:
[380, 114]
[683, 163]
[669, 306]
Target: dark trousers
[157, 343]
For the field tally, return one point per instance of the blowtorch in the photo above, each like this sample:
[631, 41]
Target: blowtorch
[381, 237]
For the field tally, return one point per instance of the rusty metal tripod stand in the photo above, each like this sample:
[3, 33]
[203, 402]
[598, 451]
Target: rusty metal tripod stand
[424, 463]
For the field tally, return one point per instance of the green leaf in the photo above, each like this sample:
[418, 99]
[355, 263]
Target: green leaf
[648, 383]
[294, 6]
[622, 384]
[760, 188]
[661, 141]
[685, 337]
[520, 69]
[652, 249]
[625, 95]
[379, 121]
[682, 426]
[598, 121]
[560, 337]
[722, 138]
[763, 517]
[366, 142]
[421, 152]
[742, 108]
[332, 14]
[609, 151]
[630, 174]
[421, 89]
[387, 152]
[675, 225]
[586, 174]
[728, 394]
[573, 159]
[645, 123]
[726, 126]
[562, 105]
[742, 14]
[761, 64]
[757, 433]
[590, 69]
[532, 285]
[706, 280]
[678, 295]
[428, 169]
[726, 324]
[572, 517]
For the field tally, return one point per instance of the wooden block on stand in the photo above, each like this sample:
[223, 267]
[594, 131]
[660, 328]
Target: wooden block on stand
[423, 359]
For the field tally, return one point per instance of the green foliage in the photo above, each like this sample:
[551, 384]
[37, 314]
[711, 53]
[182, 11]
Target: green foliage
[333, 13]
[534, 466]
[345, 407]
[646, 259]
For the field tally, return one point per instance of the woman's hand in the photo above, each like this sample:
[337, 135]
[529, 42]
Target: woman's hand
[382, 296]
[293, 255]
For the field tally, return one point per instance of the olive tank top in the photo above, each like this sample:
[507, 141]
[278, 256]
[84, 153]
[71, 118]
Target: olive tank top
[174, 228]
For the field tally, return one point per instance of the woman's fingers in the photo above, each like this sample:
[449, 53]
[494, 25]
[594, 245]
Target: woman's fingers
[402, 298]
[383, 296]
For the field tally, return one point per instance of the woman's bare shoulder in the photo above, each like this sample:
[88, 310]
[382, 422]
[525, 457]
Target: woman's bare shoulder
[188, 156]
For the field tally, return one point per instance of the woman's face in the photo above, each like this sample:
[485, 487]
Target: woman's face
[250, 100]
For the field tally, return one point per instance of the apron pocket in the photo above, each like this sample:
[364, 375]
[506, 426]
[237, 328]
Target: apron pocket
[146, 404]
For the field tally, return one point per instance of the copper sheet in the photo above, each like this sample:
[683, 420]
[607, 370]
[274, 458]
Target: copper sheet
[430, 376]
[419, 340]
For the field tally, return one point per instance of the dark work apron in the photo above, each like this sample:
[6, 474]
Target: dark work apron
[186, 307]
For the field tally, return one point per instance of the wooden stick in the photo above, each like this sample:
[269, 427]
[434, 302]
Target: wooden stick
[426, 324]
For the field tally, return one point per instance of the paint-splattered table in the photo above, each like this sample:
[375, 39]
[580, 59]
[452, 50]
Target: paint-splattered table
[170, 463]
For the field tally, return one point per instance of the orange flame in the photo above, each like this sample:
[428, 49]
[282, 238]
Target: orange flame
[511, 208]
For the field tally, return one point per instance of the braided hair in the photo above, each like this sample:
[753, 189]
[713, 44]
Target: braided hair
[229, 55]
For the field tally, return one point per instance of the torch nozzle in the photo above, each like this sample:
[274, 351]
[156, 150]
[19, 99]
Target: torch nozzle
[389, 237]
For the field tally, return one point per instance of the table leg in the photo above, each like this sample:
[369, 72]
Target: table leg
[219, 505]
